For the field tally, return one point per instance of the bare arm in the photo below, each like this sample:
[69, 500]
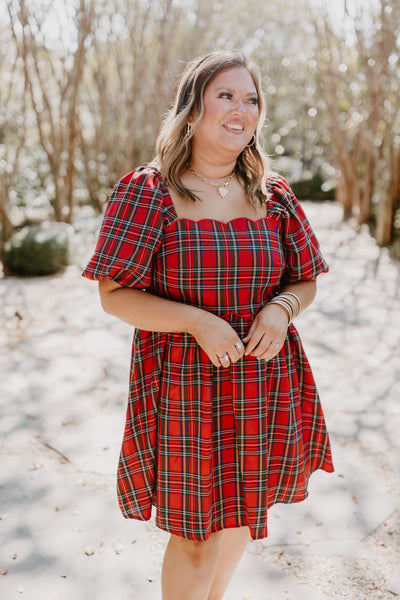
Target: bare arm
[153, 313]
[305, 290]
[147, 311]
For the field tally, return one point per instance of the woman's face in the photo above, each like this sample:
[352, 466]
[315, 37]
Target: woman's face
[230, 116]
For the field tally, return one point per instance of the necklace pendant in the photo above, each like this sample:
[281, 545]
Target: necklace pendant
[222, 191]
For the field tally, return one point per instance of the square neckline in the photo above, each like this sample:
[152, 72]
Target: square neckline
[167, 196]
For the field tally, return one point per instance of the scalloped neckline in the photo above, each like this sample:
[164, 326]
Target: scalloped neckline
[210, 220]
[205, 219]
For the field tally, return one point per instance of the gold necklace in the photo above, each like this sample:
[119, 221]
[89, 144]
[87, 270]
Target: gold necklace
[222, 188]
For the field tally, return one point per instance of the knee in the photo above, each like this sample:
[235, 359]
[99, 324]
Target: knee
[198, 553]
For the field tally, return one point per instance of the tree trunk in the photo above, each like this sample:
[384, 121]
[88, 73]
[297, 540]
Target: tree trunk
[91, 185]
[387, 205]
[59, 194]
[349, 190]
[366, 192]
[7, 228]
[384, 219]
[343, 197]
[395, 188]
[84, 18]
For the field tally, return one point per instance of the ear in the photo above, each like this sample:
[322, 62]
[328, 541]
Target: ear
[194, 113]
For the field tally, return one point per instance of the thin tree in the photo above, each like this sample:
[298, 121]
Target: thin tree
[358, 78]
[53, 79]
[12, 128]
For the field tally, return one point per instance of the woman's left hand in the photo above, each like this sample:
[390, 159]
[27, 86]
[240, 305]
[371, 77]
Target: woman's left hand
[267, 333]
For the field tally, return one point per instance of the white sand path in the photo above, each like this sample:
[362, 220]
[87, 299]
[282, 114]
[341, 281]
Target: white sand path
[64, 376]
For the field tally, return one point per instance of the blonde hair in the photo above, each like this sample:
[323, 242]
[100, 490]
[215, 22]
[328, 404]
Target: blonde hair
[173, 145]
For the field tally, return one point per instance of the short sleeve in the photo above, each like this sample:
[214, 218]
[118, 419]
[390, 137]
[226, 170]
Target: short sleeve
[303, 257]
[131, 231]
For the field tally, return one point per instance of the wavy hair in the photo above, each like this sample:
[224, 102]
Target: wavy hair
[173, 145]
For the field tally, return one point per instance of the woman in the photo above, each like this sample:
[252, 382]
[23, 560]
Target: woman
[223, 418]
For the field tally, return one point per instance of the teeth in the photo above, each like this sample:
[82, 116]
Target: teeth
[238, 127]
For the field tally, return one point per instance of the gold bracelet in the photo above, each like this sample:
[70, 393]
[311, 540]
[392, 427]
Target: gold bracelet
[289, 302]
[286, 307]
[297, 300]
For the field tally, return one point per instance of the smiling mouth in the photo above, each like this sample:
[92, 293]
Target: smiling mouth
[234, 128]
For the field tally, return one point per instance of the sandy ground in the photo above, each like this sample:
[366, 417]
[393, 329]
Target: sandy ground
[64, 376]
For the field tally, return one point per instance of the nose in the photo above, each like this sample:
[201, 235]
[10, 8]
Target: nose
[239, 106]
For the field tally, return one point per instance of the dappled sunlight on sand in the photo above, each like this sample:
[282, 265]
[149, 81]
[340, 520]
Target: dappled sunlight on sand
[63, 395]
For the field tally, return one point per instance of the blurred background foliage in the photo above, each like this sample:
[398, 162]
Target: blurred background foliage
[85, 83]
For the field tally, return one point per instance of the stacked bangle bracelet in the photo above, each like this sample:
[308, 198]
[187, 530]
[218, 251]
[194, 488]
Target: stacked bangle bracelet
[289, 302]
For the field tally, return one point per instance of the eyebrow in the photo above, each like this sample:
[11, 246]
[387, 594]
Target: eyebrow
[225, 88]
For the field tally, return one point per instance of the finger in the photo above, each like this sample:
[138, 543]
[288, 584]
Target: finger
[239, 346]
[234, 353]
[267, 355]
[215, 362]
[253, 342]
[238, 351]
[224, 361]
[275, 346]
[262, 347]
[249, 333]
[271, 351]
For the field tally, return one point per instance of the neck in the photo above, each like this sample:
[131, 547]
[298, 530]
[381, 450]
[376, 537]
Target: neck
[213, 170]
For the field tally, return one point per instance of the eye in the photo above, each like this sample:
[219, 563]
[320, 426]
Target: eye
[253, 100]
[225, 95]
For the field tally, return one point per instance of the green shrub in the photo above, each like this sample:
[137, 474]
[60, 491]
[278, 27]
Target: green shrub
[311, 189]
[38, 250]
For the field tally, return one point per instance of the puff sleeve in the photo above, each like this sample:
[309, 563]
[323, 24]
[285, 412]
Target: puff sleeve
[131, 231]
[303, 258]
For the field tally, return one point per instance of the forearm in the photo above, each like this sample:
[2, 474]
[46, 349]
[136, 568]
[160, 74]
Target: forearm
[147, 311]
[304, 290]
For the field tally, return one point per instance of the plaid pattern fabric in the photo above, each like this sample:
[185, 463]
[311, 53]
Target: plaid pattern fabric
[211, 447]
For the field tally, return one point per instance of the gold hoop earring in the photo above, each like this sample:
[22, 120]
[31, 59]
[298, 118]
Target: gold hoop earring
[253, 137]
[187, 133]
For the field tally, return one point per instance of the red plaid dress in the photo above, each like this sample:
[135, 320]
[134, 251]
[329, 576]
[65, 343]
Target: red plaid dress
[212, 447]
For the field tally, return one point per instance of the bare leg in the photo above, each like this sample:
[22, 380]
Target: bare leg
[230, 551]
[188, 567]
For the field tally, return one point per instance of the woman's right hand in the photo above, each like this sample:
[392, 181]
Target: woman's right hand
[217, 338]
[153, 313]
